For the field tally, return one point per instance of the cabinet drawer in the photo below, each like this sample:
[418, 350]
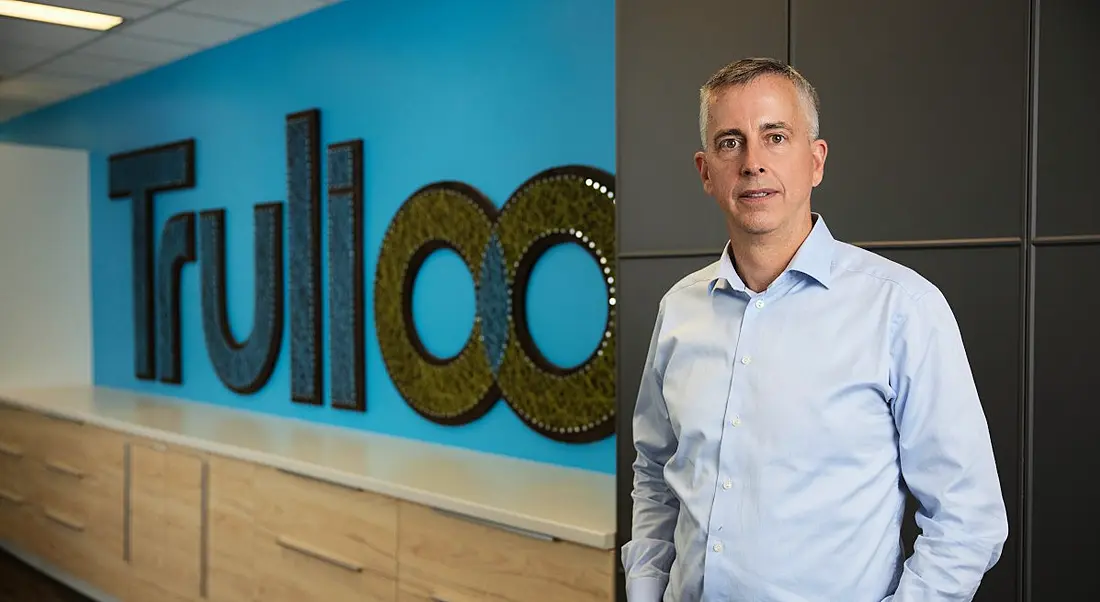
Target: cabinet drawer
[78, 450]
[89, 499]
[79, 533]
[451, 559]
[297, 570]
[72, 446]
[321, 541]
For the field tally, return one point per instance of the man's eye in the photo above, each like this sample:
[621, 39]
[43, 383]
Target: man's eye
[728, 143]
[777, 138]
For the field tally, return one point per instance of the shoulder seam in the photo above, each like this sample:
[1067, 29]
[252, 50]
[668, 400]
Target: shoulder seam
[913, 295]
[687, 282]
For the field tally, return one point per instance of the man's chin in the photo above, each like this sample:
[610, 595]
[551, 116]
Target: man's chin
[759, 230]
[757, 225]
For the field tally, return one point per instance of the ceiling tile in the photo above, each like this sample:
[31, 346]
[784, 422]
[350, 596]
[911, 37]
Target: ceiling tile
[107, 7]
[43, 35]
[79, 64]
[121, 46]
[47, 88]
[188, 29]
[266, 13]
[17, 57]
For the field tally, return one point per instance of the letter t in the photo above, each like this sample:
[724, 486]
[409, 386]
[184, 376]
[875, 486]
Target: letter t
[138, 176]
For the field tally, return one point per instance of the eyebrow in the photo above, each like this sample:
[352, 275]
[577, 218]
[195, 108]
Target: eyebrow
[764, 127]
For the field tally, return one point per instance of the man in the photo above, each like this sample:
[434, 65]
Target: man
[794, 391]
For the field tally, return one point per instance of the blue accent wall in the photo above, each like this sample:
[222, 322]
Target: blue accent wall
[488, 92]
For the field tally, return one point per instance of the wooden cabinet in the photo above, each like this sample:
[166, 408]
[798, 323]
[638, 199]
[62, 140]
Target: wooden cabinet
[147, 522]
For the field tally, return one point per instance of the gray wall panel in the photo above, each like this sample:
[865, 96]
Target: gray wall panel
[1069, 83]
[924, 105]
[667, 50]
[1066, 448]
[983, 288]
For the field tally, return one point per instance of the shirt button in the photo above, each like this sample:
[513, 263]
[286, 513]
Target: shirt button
[727, 484]
[745, 360]
[718, 547]
[735, 421]
[759, 304]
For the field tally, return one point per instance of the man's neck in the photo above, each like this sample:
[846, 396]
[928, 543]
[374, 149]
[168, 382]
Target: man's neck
[759, 260]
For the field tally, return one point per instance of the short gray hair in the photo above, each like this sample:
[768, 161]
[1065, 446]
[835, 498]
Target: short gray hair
[744, 71]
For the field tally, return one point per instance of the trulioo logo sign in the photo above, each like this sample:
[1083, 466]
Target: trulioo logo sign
[500, 360]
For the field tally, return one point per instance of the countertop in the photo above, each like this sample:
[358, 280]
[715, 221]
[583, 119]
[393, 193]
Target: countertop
[560, 502]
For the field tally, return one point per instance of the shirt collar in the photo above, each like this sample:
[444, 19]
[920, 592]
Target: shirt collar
[814, 259]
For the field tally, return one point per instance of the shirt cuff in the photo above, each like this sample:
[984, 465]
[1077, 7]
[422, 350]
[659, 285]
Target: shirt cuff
[645, 589]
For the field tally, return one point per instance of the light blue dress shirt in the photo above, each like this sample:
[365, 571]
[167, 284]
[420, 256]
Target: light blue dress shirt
[776, 434]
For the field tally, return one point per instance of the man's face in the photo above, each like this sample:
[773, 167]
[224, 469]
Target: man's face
[760, 164]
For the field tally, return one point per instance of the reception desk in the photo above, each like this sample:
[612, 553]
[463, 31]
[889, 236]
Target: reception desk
[142, 498]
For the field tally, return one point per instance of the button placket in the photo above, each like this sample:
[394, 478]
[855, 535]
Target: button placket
[727, 470]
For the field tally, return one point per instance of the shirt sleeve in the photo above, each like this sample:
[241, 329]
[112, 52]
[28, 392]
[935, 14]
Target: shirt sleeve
[946, 459]
[648, 556]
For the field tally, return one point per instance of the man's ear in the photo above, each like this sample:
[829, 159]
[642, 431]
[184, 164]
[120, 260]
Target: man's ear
[820, 149]
[704, 171]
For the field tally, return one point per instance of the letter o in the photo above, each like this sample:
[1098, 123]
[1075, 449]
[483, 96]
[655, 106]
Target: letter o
[500, 359]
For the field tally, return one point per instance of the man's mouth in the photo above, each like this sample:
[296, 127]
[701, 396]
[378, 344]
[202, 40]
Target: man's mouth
[756, 194]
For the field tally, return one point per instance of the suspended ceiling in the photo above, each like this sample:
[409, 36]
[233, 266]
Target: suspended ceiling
[41, 64]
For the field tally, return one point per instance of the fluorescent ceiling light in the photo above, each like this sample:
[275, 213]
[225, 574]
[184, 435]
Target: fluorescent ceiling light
[57, 15]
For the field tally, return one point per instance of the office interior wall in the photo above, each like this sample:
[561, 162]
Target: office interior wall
[45, 302]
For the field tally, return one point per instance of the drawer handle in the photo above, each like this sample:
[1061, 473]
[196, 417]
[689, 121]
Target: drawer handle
[62, 520]
[64, 469]
[315, 479]
[13, 498]
[495, 525]
[11, 451]
[312, 552]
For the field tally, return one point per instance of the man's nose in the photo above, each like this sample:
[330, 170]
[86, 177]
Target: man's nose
[751, 167]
